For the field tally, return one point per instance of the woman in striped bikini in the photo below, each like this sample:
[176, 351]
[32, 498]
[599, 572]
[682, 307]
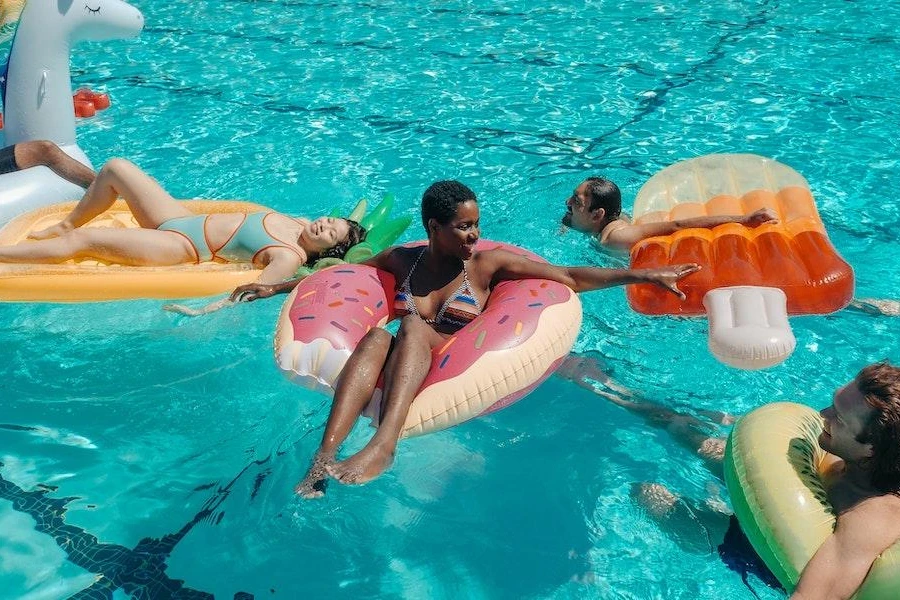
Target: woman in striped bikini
[444, 285]
[170, 234]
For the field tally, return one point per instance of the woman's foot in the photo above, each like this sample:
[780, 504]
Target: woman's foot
[313, 485]
[365, 465]
[57, 230]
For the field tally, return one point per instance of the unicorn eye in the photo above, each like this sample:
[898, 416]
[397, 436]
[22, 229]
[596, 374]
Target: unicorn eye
[93, 11]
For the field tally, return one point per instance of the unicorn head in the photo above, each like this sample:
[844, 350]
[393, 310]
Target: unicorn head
[38, 96]
[97, 20]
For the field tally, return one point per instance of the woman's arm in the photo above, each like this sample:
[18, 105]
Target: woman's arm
[254, 291]
[282, 264]
[506, 265]
[260, 289]
[384, 260]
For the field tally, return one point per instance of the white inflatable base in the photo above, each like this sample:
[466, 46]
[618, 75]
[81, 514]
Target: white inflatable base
[25, 191]
[748, 326]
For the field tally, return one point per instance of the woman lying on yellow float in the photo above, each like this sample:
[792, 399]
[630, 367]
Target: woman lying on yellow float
[171, 234]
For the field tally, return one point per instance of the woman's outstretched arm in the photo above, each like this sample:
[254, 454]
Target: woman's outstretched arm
[505, 265]
[261, 289]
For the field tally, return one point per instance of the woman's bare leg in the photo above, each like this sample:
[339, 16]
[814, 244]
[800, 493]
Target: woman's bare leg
[406, 369]
[150, 204]
[45, 153]
[354, 390]
[137, 247]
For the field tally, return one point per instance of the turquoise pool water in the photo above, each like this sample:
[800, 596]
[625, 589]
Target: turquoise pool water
[159, 451]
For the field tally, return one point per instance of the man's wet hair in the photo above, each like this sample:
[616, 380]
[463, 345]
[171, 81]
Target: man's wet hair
[357, 234]
[440, 200]
[606, 195]
[880, 386]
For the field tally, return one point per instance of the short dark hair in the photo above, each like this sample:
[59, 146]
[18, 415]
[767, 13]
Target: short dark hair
[606, 195]
[357, 234]
[880, 385]
[440, 200]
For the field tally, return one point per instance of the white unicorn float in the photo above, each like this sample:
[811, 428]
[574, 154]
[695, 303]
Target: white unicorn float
[38, 90]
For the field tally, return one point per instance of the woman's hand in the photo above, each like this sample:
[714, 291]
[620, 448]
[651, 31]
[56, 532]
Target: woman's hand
[252, 291]
[759, 217]
[668, 277]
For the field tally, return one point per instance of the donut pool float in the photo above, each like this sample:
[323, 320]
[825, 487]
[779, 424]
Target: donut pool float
[527, 328]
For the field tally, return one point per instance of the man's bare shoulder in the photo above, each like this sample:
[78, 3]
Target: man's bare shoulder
[610, 229]
[886, 504]
[879, 512]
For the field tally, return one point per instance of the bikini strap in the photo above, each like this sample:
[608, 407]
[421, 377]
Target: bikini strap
[468, 286]
[405, 284]
[405, 287]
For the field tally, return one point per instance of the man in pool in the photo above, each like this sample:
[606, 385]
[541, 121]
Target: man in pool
[41, 153]
[862, 428]
[595, 208]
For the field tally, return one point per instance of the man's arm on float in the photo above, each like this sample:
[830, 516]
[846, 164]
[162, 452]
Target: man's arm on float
[624, 236]
[840, 565]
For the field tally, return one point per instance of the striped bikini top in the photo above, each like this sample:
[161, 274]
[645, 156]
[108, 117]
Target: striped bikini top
[460, 308]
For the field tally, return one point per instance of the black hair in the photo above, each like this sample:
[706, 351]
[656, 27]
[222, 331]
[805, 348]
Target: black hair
[606, 195]
[357, 234]
[440, 200]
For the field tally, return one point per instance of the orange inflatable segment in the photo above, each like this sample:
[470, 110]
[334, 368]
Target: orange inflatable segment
[688, 210]
[658, 216]
[758, 199]
[793, 255]
[790, 203]
[797, 226]
[724, 205]
[796, 203]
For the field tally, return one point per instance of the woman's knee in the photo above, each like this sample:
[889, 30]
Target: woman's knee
[76, 242]
[375, 338]
[413, 327]
[117, 167]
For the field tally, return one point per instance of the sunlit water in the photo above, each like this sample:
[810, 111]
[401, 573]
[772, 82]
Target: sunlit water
[170, 445]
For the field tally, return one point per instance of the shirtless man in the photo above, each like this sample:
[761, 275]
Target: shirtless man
[595, 208]
[37, 153]
[862, 428]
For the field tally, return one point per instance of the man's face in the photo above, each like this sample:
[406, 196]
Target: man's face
[845, 420]
[578, 210]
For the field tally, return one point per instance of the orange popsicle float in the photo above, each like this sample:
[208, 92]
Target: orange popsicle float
[751, 278]
[794, 255]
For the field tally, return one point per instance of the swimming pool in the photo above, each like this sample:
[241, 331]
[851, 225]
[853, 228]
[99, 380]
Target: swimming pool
[160, 451]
